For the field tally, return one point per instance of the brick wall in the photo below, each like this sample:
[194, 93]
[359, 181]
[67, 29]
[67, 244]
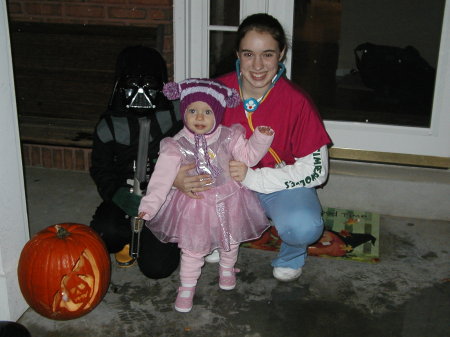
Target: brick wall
[88, 12]
[100, 12]
[58, 157]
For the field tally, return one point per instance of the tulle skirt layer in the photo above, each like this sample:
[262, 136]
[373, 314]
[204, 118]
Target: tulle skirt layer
[226, 214]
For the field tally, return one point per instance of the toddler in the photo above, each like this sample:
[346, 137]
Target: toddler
[221, 217]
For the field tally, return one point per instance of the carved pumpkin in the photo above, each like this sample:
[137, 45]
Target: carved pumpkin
[64, 271]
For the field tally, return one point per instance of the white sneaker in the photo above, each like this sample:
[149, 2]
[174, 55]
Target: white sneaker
[214, 257]
[286, 274]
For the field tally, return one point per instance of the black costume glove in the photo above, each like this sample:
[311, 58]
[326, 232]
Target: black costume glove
[128, 202]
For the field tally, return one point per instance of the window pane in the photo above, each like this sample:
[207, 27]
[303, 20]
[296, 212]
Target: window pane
[388, 81]
[224, 16]
[222, 55]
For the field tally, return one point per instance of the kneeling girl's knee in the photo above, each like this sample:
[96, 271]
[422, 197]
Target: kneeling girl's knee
[301, 232]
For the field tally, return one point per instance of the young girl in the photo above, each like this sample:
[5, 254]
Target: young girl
[287, 177]
[225, 215]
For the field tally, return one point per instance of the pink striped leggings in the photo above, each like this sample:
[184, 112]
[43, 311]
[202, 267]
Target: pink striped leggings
[192, 263]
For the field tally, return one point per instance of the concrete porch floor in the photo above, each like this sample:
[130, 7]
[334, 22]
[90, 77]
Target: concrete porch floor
[406, 294]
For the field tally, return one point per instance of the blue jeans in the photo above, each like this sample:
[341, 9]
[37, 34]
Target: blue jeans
[297, 216]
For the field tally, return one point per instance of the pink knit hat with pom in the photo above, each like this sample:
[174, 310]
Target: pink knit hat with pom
[215, 94]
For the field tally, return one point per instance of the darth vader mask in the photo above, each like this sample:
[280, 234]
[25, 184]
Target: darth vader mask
[138, 92]
[140, 75]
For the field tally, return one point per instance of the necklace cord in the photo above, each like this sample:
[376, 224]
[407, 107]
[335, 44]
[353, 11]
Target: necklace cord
[272, 151]
[249, 113]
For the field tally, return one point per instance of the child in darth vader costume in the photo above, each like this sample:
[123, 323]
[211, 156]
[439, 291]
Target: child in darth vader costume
[140, 75]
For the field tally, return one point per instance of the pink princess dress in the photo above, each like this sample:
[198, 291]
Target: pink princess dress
[228, 213]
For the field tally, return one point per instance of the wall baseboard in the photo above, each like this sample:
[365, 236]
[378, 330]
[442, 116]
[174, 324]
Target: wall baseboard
[388, 189]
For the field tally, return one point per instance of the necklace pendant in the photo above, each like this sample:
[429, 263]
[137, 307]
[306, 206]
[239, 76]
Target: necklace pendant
[251, 104]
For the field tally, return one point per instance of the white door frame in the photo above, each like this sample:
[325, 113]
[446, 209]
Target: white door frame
[14, 231]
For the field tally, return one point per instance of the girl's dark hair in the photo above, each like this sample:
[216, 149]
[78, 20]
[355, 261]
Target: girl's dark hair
[262, 22]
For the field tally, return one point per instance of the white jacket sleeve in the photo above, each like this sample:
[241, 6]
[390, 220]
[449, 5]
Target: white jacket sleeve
[309, 171]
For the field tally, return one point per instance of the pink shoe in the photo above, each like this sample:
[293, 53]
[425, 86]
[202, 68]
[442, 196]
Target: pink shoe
[184, 300]
[227, 277]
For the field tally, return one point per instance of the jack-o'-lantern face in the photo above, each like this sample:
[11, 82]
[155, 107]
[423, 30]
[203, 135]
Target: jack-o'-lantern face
[79, 287]
[64, 271]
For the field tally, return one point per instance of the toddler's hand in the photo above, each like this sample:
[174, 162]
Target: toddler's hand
[266, 130]
[141, 215]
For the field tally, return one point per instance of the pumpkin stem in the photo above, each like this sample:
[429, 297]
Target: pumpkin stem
[61, 232]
